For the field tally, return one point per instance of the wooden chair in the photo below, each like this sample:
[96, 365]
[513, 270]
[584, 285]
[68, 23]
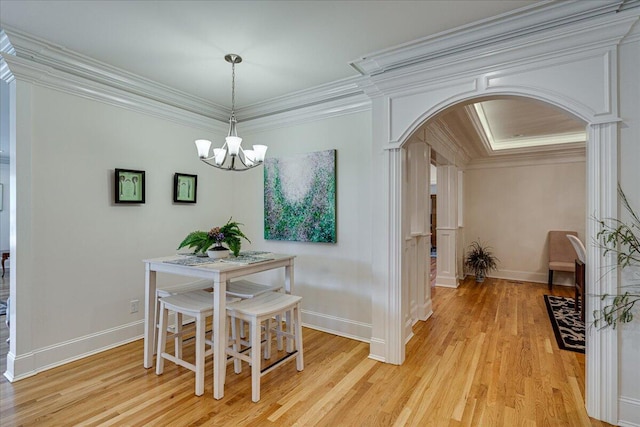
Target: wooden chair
[562, 256]
[255, 311]
[580, 284]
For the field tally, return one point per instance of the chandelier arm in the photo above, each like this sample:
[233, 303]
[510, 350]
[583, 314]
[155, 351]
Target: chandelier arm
[231, 167]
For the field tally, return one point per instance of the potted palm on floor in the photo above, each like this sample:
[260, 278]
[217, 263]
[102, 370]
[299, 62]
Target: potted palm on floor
[480, 260]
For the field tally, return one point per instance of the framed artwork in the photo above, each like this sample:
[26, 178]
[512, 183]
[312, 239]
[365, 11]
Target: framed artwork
[129, 186]
[300, 197]
[185, 188]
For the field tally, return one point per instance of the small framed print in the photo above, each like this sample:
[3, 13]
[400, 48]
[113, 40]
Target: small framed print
[129, 186]
[185, 188]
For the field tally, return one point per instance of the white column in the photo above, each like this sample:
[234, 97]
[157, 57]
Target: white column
[447, 228]
[601, 387]
[386, 293]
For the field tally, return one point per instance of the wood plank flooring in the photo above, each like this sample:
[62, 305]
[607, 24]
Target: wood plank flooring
[487, 357]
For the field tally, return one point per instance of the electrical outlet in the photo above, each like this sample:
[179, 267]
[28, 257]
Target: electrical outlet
[134, 305]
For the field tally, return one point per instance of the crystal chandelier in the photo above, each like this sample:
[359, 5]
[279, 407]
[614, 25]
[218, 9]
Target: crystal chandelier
[231, 156]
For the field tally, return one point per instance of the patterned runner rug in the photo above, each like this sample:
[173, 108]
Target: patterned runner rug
[567, 326]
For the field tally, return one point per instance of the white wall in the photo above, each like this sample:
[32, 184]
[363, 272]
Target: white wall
[333, 279]
[512, 208]
[79, 256]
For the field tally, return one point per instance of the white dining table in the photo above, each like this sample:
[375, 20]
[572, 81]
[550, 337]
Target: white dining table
[219, 272]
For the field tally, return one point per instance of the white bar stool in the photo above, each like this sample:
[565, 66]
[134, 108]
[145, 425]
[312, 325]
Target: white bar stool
[245, 289]
[175, 290]
[199, 305]
[255, 311]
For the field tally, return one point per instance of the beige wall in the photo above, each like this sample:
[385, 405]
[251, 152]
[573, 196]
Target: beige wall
[513, 208]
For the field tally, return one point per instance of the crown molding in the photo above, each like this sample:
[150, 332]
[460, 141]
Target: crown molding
[506, 29]
[578, 38]
[45, 76]
[59, 58]
[43, 62]
[320, 111]
[565, 153]
[327, 93]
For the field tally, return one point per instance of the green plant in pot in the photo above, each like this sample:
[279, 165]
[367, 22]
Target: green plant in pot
[480, 260]
[203, 241]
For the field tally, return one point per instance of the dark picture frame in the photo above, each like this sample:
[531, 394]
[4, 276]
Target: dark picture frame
[185, 188]
[129, 186]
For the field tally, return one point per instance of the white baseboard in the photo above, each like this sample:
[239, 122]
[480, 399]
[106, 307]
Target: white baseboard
[629, 412]
[337, 326]
[559, 278]
[377, 350]
[447, 281]
[42, 359]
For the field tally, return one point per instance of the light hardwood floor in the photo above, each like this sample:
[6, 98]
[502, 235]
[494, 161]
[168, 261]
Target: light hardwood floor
[487, 357]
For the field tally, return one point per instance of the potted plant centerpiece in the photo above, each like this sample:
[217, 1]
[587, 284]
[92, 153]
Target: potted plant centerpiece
[480, 260]
[211, 242]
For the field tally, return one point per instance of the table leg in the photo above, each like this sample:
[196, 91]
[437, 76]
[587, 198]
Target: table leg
[288, 287]
[219, 337]
[149, 315]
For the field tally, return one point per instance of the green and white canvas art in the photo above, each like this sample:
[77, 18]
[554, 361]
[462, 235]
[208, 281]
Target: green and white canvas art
[300, 197]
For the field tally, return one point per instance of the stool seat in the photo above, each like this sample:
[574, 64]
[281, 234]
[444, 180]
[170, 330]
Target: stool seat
[267, 305]
[245, 289]
[192, 302]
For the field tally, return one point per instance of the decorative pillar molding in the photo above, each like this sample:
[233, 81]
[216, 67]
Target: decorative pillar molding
[447, 229]
[395, 329]
[601, 388]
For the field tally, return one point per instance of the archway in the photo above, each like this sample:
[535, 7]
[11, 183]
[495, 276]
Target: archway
[404, 101]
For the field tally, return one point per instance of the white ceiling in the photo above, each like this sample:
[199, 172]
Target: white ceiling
[286, 46]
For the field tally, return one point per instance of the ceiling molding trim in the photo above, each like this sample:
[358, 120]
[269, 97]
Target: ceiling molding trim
[580, 39]
[472, 115]
[326, 110]
[566, 138]
[5, 46]
[45, 76]
[532, 158]
[62, 59]
[338, 90]
[540, 18]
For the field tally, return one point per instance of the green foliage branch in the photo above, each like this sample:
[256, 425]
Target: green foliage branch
[623, 240]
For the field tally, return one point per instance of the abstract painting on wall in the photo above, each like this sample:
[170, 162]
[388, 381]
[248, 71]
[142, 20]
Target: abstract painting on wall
[300, 197]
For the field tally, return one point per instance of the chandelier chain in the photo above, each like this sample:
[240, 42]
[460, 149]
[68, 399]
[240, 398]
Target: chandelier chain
[233, 88]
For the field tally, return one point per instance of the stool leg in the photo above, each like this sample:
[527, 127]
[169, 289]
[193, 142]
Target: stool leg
[162, 339]
[200, 344]
[177, 338]
[156, 319]
[267, 337]
[255, 359]
[237, 345]
[299, 357]
[289, 329]
[279, 328]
